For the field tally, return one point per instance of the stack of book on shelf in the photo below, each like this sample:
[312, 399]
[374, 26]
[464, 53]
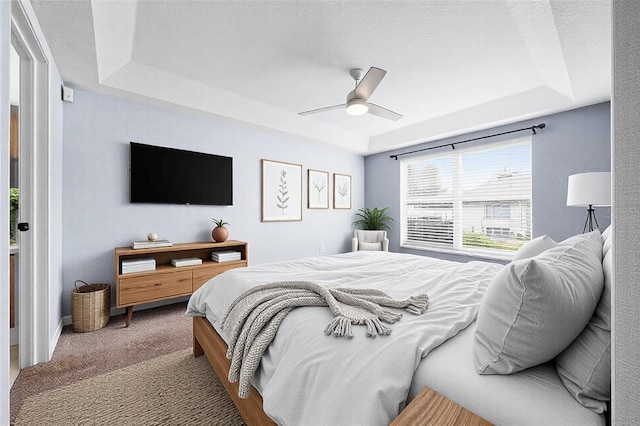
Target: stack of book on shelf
[225, 255]
[187, 261]
[138, 265]
[150, 244]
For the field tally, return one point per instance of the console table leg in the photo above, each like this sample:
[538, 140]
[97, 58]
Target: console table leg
[129, 315]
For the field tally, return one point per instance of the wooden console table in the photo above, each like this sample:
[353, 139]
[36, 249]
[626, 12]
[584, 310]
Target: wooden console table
[168, 281]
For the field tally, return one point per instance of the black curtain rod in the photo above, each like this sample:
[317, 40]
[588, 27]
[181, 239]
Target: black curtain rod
[453, 144]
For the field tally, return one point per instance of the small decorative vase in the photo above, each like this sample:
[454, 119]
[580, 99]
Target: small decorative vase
[220, 234]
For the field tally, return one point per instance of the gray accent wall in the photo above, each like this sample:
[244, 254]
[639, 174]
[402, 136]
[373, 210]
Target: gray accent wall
[574, 141]
[626, 202]
[98, 217]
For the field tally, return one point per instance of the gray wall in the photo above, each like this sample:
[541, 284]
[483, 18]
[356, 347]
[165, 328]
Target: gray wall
[572, 142]
[626, 202]
[98, 216]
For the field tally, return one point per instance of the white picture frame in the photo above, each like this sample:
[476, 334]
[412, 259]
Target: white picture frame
[341, 191]
[317, 189]
[281, 191]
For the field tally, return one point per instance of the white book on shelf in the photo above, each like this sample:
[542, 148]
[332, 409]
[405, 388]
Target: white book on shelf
[138, 268]
[138, 265]
[139, 261]
[132, 269]
[225, 253]
[187, 261]
[225, 257]
[151, 244]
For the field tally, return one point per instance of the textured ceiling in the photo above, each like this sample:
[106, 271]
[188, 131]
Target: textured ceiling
[452, 66]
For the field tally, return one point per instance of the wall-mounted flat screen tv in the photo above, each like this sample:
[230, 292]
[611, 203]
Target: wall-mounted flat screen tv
[175, 176]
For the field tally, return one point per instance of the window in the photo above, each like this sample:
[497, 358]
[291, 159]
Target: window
[497, 211]
[474, 200]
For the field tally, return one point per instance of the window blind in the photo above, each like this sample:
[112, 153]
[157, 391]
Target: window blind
[468, 199]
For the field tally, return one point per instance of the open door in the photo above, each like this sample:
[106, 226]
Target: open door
[32, 266]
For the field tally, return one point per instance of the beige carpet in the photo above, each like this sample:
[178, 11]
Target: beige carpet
[90, 372]
[174, 389]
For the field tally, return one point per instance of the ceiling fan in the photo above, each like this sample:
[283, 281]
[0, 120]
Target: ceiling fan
[357, 99]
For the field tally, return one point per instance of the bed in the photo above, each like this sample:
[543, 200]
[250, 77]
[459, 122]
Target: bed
[306, 377]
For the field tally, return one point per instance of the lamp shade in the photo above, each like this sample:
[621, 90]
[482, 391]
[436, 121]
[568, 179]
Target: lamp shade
[589, 189]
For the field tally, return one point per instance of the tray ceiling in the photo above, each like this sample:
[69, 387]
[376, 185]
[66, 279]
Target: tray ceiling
[452, 66]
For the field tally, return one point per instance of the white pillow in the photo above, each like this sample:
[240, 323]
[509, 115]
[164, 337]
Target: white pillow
[534, 247]
[585, 366]
[370, 246]
[607, 241]
[534, 308]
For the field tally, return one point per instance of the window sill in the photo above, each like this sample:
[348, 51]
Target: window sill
[503, 257]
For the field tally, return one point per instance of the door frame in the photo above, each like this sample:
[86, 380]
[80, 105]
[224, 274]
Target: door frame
[33, 281]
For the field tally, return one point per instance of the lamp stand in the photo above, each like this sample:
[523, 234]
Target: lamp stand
[591, 218]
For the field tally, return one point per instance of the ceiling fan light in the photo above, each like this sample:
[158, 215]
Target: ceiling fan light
[357, 107]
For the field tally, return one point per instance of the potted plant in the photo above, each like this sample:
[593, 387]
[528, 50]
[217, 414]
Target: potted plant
[373, 219]
[220, 233]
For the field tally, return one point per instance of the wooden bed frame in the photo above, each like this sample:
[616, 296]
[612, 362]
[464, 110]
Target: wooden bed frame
[428, 408]
[206, 340]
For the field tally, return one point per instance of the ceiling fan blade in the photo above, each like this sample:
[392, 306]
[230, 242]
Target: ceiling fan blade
[369, 82]
[383, 112]
[329, 108]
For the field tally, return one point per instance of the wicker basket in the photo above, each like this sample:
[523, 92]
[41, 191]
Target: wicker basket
[90, 306]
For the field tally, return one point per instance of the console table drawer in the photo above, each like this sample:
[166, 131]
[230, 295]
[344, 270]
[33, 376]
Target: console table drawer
[203, 275]
[148, 288]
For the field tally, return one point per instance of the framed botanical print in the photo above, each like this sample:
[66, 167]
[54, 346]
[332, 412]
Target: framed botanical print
[341, 191]
[317, 189]
[281, 191]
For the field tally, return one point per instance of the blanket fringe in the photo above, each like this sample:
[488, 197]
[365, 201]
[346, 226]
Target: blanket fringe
[417, 304]
[339, 327]
[375, 327]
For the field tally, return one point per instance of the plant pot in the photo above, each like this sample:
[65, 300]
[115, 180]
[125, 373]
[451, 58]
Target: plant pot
[220, 234]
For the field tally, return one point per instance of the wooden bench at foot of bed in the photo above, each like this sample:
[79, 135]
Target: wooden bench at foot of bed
[428, 408]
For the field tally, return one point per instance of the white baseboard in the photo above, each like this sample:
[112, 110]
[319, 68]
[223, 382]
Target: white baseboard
[55, 338]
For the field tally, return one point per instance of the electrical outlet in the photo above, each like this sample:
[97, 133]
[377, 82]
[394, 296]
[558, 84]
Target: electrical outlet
[321, 248]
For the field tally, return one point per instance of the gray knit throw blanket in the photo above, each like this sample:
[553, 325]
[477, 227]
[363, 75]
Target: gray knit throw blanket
[252, 320]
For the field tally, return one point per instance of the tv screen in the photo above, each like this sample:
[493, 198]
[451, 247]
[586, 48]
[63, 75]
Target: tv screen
[175, 176]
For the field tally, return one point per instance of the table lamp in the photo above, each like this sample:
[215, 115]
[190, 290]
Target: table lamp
[589, 190]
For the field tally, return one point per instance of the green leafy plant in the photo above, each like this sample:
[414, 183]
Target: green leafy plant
[14, 198]
[220, 222]
[373, 219]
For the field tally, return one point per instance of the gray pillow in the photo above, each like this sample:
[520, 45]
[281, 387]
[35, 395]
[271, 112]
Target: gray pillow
[534, 308]
[585, 366]
[534, 247]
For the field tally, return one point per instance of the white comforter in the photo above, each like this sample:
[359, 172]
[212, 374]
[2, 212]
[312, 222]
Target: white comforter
[308, 378]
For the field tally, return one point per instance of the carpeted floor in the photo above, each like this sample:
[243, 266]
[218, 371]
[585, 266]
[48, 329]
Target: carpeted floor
[143, 375]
